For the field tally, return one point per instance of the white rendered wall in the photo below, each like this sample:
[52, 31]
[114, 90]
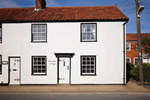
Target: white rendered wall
[65, 38]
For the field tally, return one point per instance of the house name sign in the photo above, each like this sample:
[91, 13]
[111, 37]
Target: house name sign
[52, 62]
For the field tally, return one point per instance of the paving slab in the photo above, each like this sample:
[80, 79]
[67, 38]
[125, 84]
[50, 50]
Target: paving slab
[129, 87]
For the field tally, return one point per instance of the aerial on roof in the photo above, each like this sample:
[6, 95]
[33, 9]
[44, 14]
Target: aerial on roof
[134, 37]
[62, 14]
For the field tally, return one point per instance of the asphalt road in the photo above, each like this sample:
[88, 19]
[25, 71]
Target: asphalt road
[74, 96]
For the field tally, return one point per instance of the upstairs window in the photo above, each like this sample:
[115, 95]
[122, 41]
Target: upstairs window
[0, 33]
[88, 32]
[39, 33]
[128, 46]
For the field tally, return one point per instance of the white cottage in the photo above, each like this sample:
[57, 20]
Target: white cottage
[62, 45]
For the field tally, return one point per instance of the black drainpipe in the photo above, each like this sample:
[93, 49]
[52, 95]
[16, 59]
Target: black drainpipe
[124, 43]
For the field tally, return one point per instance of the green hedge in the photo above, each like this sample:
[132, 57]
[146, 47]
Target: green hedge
[134, 73]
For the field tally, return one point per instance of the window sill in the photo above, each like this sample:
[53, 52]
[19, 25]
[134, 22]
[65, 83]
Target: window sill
[88, 75]
[88, 41]
[39, 74]
[38, 41]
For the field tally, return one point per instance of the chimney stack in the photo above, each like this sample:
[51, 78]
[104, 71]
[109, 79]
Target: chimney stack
[40, 5]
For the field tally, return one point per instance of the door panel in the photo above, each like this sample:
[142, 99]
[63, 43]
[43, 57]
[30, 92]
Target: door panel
[64, 67]
[14, 70]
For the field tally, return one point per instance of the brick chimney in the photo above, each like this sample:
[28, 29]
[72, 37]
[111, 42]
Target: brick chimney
[40, 5]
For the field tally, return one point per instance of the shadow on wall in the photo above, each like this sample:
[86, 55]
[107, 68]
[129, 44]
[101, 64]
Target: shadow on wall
[129, 67]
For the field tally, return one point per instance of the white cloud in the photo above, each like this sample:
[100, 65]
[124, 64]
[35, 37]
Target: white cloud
[8, 4]
[52, 3]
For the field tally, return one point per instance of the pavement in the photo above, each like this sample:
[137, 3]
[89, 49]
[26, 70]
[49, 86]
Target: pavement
[130, 87]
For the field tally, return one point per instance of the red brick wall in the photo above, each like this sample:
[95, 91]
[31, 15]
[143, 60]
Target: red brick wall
[133, 52]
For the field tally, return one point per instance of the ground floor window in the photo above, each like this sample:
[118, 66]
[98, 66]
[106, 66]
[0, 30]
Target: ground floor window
[128, 60]
[136, 61]
[38, 65]
[88, 65]
[0, 64]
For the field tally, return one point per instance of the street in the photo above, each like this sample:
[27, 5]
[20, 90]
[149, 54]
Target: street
[112, 96]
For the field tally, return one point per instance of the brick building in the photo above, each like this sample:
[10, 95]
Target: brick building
[131, 48]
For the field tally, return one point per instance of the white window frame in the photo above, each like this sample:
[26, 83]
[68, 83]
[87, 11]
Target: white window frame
[39, 65]
[36, 31]
[134, 60]
[90, 65]
[86, 32]
[129, 46]
[129, 59]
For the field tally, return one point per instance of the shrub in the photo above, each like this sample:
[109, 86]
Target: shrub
[146, 72]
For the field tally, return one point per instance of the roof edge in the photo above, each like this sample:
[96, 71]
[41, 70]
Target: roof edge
[20, 21]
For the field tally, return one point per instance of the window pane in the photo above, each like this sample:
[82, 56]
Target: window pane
[35, 71]
[88, 71]
[39, 70]
[83, 38]
[127, 60]
[92, 67]
[43, 26]
[35, 38]
[39, 27]
[88, 26]
[83, 71]
[88, 30]
[136, 61]
[35, 26]
[92, 71]
[83, 26]
[43, 71]
[39, 38]
[43, 30]
[127, 46]
[43, 67]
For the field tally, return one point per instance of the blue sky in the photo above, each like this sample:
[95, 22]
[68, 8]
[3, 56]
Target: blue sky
[127, 7]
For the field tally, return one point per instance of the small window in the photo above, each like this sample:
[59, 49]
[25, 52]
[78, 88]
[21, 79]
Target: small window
[38, 65]
[0, 64]
[88, 65]
[0, 33]
[128, 60]
[88, 32]
[39, 33]
[136, 61]
[136, 47]
[128, 46]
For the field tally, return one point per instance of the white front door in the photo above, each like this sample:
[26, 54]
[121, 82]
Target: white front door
[64, 67]
[14, 70]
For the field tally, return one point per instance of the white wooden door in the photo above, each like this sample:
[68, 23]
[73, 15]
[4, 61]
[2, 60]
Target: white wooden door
[14, 70]
[64, 67]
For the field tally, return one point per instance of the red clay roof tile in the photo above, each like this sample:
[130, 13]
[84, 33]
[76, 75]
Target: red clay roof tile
[62, 14]
[134, 37]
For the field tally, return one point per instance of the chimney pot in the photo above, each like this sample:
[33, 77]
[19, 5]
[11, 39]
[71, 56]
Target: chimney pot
[40, 4]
